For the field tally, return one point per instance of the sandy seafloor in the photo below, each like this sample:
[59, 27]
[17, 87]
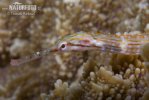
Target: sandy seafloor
[82, 75]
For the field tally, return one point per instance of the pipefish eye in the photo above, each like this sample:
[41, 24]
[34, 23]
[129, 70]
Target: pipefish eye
[63, 46]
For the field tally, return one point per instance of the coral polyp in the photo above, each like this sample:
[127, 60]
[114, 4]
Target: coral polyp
[105, 44]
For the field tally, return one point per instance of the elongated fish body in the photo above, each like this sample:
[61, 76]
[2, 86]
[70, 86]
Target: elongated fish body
[128, 44]
[80, 38]
[122, 43]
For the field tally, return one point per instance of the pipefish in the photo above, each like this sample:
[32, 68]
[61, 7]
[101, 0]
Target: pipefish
[126, 43]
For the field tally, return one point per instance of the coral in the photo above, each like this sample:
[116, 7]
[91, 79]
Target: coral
[144, 52]
[145, 55]
[72, 75]
[102, 82]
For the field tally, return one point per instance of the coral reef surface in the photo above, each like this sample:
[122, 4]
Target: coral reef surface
[88, 75]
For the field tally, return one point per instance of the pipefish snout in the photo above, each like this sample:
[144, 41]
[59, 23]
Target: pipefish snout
[128, 44]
